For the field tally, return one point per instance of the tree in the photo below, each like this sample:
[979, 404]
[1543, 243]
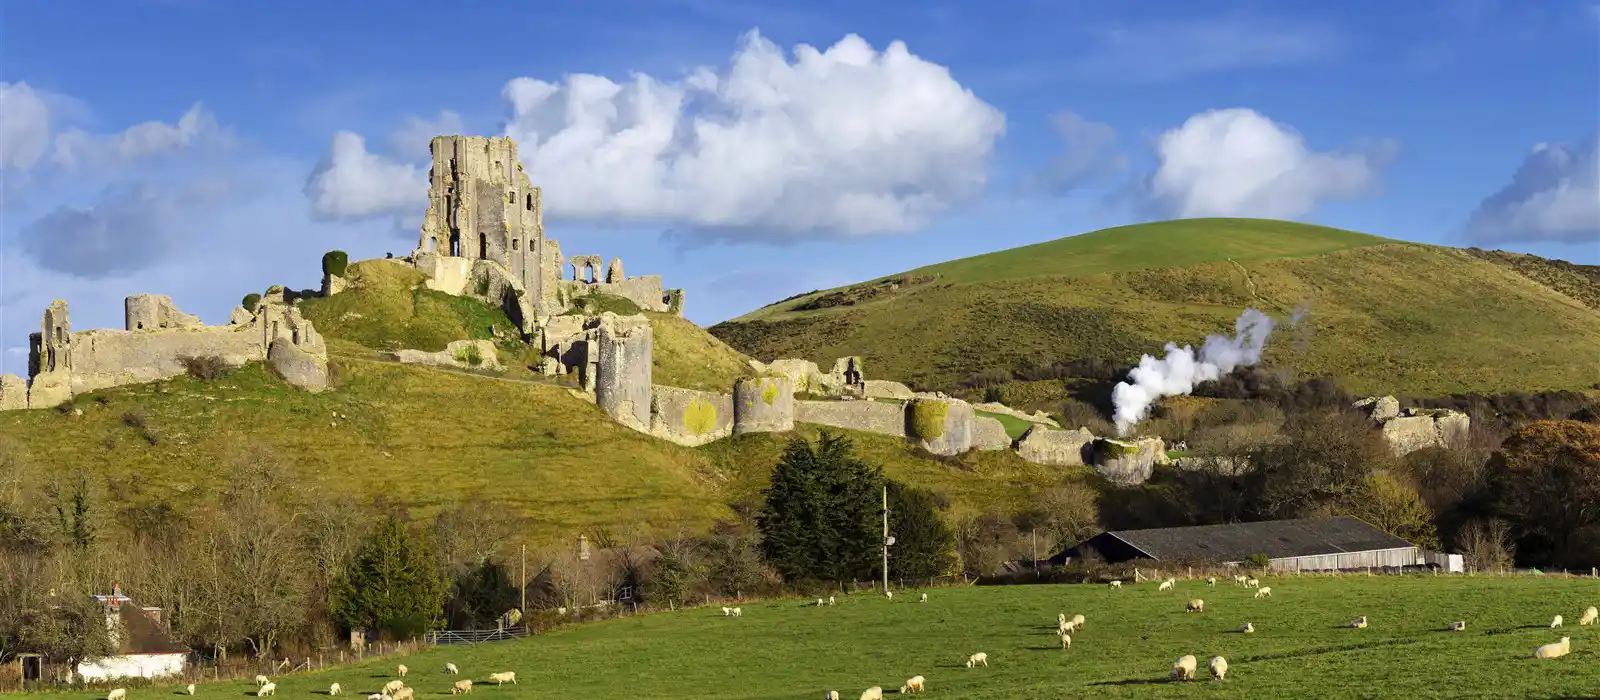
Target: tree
[1394, 506]
[1546, 478]
[821, 517]
[672, 575]
[924, 546]
[392, 586]
[482, 595]
[1321, 465]
[735, 564]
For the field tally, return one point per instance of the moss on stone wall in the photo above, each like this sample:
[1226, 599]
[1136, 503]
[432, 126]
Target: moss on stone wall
[927, 419]
[1115, 449]
[700, 417]
[769, 392]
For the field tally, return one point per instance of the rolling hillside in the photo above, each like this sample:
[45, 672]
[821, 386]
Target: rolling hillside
[1384, 315]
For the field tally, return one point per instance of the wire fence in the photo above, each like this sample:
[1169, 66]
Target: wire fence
[451, 637]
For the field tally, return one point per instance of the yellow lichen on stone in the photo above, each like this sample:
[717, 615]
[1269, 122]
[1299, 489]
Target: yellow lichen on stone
[700, 417]
[769, 392]
[927, 419]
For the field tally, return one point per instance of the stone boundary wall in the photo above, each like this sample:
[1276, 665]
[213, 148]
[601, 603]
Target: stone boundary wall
[763, 405]
[688, 417]
[865, 416]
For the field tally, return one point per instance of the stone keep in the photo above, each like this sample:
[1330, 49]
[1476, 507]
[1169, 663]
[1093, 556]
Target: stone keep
[481, 206]
[763, 405]
[622, 375]
[149, 312]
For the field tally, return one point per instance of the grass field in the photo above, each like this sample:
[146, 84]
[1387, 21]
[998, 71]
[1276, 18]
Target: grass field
[1384, 316]
[1302, 647]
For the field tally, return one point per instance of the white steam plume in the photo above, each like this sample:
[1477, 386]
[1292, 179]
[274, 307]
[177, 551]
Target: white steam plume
[1181, 370]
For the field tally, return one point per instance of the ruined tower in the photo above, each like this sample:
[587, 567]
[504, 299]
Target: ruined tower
[481, 206]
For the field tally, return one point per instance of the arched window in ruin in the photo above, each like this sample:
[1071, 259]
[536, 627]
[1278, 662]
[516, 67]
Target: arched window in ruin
[455, 244]
[530, 201]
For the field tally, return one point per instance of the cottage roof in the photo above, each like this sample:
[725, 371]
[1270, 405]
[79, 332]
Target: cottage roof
[139, 633]
[1275, 538]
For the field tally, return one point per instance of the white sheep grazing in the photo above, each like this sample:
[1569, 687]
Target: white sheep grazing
[924, 598]
[1065, 627]
[404, 694]
[738, 612]
[873, 693]
[889, 595]
[451, 669]
[1077, 620]
[1240, 579]
[831, 695]
[1066, 641]
[1116, 584]
[334, 689]
[269, 689]
[1554, 650]
[501, 678]
[1252, 583]
[1219, 668]
[913, 684]
[1211, 581]
[190, 689]
[1590, 616]
[261, 681]
[1556, 622]
[978, 659]
[1458, 626]
[393, 687]
[1264, 592]
[1061, 618]
[830, 600]
[726, 611]
[402, 670]
[820, 603]
[117, 694]
[377, 696]
[1248, 628]
[1183, 669]
[1195, 605]
[1167, 585]
[462, 686]
[1359, 623]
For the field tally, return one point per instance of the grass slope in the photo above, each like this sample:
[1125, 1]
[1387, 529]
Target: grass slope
[1384, 316]
[787, 649]
[386, 308]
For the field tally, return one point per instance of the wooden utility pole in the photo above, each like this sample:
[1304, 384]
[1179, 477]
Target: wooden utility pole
[886, 539]
[523, 589]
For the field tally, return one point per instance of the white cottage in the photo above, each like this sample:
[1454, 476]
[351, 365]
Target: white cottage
[144, 647]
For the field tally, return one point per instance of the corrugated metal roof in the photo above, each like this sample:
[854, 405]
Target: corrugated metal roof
[1275, 538]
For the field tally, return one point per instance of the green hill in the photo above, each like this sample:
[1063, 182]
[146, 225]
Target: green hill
[1384, 315]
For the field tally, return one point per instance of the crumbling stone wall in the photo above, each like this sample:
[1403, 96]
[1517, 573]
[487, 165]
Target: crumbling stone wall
[884, 389]
[844, 380]
[622, 377]
[644, 290]
[1128, 463]
[865, 416]
[763, 405]
[1037, 417]
[989, 434]
[151, 312]
[1410, 429]
[942, 425]
[1057, 448]
[690, 418]
[459, 354]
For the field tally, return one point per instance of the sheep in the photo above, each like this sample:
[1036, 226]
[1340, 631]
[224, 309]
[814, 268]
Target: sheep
[269, 689]
[1457, 626]
[1252, 583]
[261, 681]
[1359, 623]
[402, 670]
[1167, 585]
[1116, 585]
[889, 595]
[1077, 620]
[190, 689]
[1554, 650]
[830, 600]
[726, 611]
[117, 694]
[1211, 581]
[831, 695]
[1065, 627]
[1219, 668]
[738, 612]
[501, 678]
[873, 693]
[462, 686]
[1590, 616]
[1240, 579]
[1248, 628]
[393, 687]
[377, 696]
[1066, 641]
[1183, 668]
[978, 659]
[913, 685]
[404, 694]
[451, 669]
[334, 689]
[1195, 605]
[820, 603]
[1264, 592]
[924, 598]
[1061, 618]
[1556, 622]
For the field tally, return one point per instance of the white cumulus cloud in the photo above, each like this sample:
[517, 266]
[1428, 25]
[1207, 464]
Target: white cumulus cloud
[844, 141]
[78, 150]
[24, 126]
[351, 183]
[414, 134]
[1554, 196]
[1237, 162]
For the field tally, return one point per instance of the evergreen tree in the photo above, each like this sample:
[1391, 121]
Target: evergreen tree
[392, 586]
[482, 595]
[923, 544]
[821, 515]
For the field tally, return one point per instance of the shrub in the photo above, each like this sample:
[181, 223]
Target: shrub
[994, 394]
[250, 302]
[469, 355]
[927, 419]
[1258, 561]
[334, 262]
[205, 367]
[135, 418]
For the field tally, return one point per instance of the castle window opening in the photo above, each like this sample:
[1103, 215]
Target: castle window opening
[483, 247]
[530, 201]
[455, 244]
[514, 243]
[511, 197]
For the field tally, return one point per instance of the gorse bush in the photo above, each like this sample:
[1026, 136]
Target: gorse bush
[334, 262]
[250, 302]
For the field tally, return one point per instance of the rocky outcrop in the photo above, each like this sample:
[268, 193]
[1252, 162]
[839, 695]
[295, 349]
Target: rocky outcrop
[1057, 448]
[763, 405]
[461, 354]
[299, 368]
[989, 434]
[1128, 462]
[1410, 429]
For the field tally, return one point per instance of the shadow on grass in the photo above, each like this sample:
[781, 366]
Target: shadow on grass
[1138, 681]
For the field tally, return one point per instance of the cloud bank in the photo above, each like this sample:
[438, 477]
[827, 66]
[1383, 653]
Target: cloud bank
[1554, 196]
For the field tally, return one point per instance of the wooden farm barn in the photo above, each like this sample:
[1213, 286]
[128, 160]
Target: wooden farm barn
[1292, 545]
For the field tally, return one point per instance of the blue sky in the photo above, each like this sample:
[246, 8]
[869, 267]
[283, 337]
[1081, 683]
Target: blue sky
[186, 146]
